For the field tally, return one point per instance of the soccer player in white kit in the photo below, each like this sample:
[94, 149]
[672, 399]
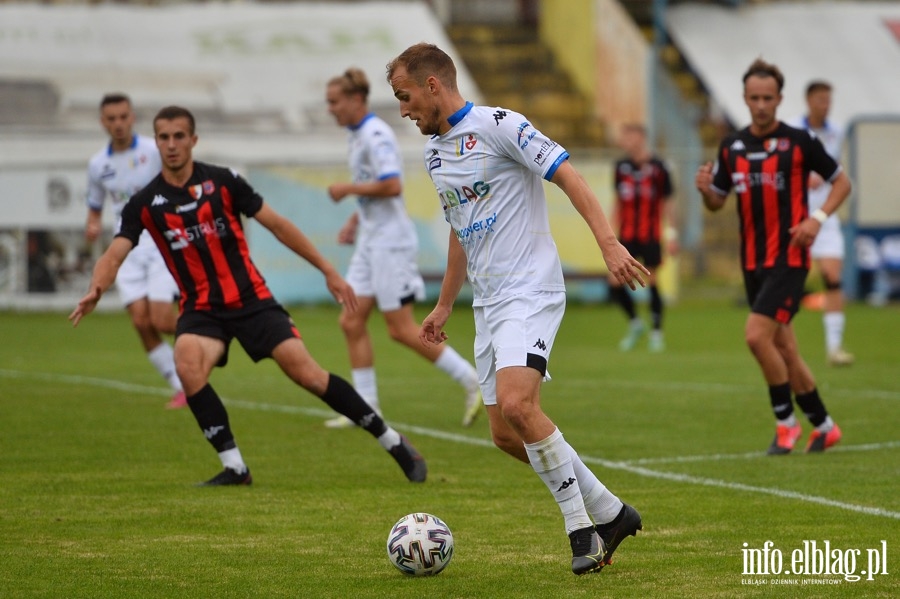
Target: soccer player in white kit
[487, 165]
[145, 286]
[383, 270]
[828, 248]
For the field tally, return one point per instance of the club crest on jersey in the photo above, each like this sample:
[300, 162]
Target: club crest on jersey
[465, 144]
[777, 143]
[197, 191]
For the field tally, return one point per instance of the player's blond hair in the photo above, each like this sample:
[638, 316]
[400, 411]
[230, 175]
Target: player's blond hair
[352, 81]
[422, 61]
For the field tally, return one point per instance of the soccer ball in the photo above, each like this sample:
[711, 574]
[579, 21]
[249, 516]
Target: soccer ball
[420, 545]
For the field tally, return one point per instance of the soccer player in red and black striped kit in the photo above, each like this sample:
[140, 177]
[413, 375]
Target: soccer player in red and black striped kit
[643, 191]
[193, 212]
[768, 165]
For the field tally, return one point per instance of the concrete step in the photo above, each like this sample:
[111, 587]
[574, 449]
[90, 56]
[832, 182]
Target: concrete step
[464, 34]
[515, 71]
[524, 81]
[507, 57]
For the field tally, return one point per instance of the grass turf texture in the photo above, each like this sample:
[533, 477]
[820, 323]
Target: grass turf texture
[97, 495]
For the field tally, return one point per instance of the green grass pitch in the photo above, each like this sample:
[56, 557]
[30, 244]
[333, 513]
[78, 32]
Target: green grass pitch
[97, 495]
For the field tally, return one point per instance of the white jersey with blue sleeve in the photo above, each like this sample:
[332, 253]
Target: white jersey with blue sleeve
[488, 170]
[831, 136]
[121, 174]
[375, 156]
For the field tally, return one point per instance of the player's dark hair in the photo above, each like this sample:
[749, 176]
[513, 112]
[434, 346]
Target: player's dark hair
[114, 98]
[817, 85]
[423, 61]
[353, 81]
[170, 113]
[761, 68]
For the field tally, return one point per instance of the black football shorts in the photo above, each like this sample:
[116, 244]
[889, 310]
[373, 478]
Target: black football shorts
[775, 292]
[259, 333]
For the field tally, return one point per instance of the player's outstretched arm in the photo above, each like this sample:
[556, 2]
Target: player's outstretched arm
[94, 226]
[102, 278]
[432, 330]
[623, 267]
[804, 233]
[293, 238]
[382, 188]
[347, 234]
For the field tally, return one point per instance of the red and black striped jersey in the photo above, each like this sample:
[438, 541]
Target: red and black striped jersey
[199, 232]
[640, 191]
[769, 176]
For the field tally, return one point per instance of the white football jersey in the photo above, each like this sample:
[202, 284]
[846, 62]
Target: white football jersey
[375, 156]
[831, 136]
[121, 174]
[487, 171]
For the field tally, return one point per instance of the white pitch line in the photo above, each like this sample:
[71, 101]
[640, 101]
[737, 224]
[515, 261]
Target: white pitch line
[713, 387]
[711, 482]
[457, 438]
[715, 457]
[682, 478]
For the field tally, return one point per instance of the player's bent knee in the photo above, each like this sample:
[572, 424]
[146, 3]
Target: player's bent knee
[351, 324]
[511, 445]
[142, 323]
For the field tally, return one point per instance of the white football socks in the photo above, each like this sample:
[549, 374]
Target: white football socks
[458, 368]
[789, 421]
[826, 426]
[231, 459]
[163, 359]
[366, 385]
[390, 438]
[834, 330]
[551, 459]
[599, 501]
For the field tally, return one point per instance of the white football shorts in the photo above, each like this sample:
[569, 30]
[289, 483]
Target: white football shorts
[144, 274]
[829, 243]
[387, 274]
[508, 331]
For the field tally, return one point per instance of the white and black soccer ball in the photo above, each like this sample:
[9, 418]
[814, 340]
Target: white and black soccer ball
[420, 545]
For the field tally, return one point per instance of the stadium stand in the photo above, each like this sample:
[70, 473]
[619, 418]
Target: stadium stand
[851, 44]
